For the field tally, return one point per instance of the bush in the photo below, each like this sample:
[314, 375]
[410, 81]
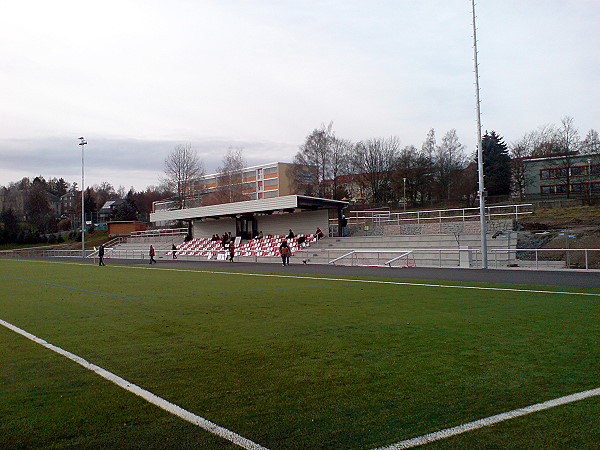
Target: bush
[64, 225]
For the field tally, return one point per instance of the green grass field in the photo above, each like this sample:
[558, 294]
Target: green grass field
[289, 362]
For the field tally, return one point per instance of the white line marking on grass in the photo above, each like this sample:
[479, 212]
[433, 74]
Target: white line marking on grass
[448, 432]
[146, 395]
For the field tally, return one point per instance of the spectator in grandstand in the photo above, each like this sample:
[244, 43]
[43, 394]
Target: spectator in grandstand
[101, 255]
[260, 235]
[290, 235]
[151, 253]
[174, 251]
[215, 238]
[301, 241]
[224, 240]
[319, 234]
[284, 250]
[231, 251]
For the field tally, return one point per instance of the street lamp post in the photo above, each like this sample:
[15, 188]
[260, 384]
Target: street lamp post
[589, 161]
[404, 180]
[82, 143]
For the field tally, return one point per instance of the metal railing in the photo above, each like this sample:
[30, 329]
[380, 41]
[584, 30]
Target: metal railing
[355, 256]
[570, 260]
[373, 257]
[44, 253]
[406, 255]
[566, 258]
[159, 232]
[438, 215]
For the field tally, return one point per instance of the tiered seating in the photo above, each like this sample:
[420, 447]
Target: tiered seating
[199, 247]
[265, 247]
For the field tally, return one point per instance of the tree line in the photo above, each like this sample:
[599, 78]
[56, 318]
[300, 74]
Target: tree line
[33, 208]
[382, 171]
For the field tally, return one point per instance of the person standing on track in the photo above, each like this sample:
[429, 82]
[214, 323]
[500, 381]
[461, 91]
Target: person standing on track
[231, 251]
[152, 253]
[101, 255]
[284, 250]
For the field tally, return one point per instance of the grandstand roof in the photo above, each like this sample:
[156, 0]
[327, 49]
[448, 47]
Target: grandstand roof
[286, 203]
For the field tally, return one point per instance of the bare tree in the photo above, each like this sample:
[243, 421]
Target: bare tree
[591, 143]
[230, 176]
[374, 161]
[181, 167]
[428, 151]
[429, 145]
[104, 191]
[339, 165]
[413, 172]
[316, 151]
[568, 136]
[449, 160]
[544, 141]
[519, 150]
[569, 142]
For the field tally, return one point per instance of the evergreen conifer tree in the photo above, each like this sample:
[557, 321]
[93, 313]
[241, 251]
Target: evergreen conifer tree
[496, 164]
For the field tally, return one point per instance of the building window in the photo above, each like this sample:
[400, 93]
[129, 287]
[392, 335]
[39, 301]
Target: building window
[554, 189]
[577, 171]
[579, 187]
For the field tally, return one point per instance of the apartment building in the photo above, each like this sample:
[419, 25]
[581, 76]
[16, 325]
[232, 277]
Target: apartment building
[264, 181]
[563, 176]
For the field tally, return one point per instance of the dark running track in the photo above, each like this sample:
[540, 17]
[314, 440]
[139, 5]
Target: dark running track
[571, 278]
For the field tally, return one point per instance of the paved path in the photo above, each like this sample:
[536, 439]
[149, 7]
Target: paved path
[573, 278]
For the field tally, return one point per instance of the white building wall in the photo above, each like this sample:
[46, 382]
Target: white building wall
[203, 229]
[301, 223]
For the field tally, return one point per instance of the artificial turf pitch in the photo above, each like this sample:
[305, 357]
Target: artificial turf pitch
[289, 362]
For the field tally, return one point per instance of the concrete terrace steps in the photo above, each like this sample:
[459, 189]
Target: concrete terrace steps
[505, 240]
[137, 250]
[441, 250]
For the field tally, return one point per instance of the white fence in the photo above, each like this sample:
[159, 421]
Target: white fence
[437, 215]
[457, 257]
[441, 257]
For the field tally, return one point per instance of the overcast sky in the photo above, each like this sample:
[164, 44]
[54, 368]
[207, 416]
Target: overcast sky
[135, 78]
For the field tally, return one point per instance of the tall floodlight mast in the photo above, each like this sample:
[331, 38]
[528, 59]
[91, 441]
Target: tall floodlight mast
[82, 142]
[481, 191]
